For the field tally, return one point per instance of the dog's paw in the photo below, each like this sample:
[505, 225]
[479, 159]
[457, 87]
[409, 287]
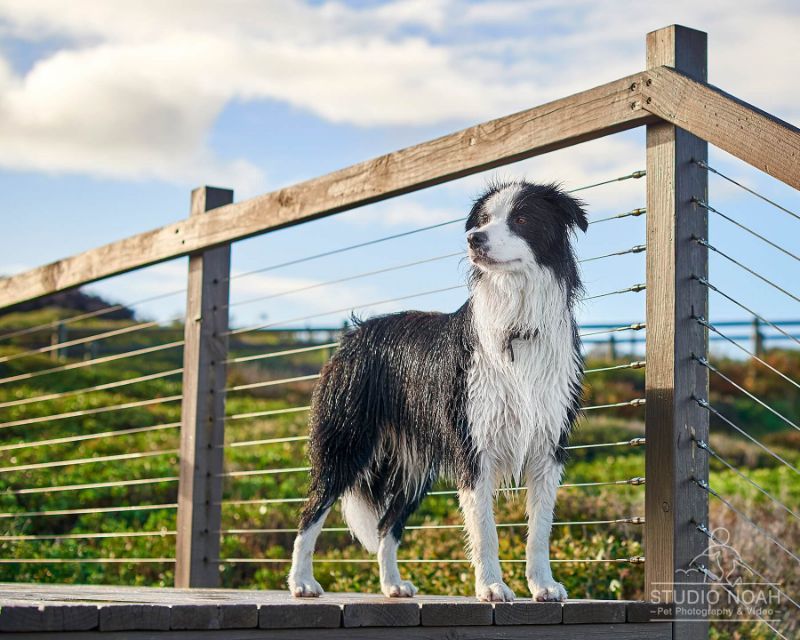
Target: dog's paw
[401, 589]
[306, 587]
[495, 592]
[548, 591]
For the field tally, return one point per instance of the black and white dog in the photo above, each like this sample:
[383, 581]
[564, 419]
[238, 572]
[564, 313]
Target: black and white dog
[485, 396]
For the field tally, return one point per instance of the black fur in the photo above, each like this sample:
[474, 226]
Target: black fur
[551, 214]
[399, 377]
[398, 383]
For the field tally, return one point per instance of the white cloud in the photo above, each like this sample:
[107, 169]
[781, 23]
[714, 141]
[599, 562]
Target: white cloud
[138, 87]
[405, 211]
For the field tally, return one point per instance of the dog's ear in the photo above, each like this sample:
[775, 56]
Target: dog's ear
[574, 210]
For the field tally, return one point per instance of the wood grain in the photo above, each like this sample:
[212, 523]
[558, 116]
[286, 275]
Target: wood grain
[179, 614]
[673, 502]
[521, 612]
[453, 614]
[593, 612]
[392, 613]
[127, 617]
[299, 615]
[203, 407]
[627, 631]
[54, 616]
[752, 135]
[584, 116]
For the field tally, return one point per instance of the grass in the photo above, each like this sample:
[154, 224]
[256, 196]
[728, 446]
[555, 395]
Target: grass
[569, 542]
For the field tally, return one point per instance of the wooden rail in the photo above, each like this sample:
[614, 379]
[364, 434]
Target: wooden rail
[584, 116]
[658, 94]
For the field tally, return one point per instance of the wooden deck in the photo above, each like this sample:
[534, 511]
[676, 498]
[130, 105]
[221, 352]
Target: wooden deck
[36, 611]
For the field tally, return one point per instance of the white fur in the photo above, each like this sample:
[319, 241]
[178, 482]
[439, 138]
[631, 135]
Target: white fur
[482, 547]
[361, 519]
[301, 577]
[518, 409]
[542, 486]
[391, 583]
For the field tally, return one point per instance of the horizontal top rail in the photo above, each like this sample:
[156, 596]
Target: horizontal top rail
[752, 135]
[581, 117]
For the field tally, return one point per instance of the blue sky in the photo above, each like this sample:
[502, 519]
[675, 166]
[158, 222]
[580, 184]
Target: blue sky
[110, 113]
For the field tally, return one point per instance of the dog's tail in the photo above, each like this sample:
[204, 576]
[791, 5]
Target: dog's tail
[361, 518]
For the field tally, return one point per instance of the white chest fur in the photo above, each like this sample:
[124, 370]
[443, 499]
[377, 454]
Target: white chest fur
[518, 407]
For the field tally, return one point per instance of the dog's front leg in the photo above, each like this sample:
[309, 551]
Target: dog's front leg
[543, 477]
[477, 505]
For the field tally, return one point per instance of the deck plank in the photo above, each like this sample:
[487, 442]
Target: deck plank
[526, 612]
[316, 615]
[51, 616]
[388, 614]
[146, 612]
[594, 611]
[626, 631]
[451, 614]
[130, 617]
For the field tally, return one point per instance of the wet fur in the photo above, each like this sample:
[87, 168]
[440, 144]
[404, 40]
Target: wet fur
[484, 396]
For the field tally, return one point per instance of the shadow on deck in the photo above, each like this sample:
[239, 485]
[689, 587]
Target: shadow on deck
[143, 612]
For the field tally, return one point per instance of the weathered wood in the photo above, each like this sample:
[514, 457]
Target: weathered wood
[23, 616]
[392, 613]
[674, 504]
[203, 407]
[521, 612]
[455, 614]
[627, 631]
[297, 616]
[584, 116]
[752, 135]
[127, 617]
[650, 612]
[140, 612]
[594, 612]
[238, 616]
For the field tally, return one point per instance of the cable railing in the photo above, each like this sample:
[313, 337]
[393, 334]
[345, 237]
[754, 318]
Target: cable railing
[245, 389]
[97, 313]
[745, 399]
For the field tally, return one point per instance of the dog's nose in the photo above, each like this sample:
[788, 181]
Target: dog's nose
[476, 239]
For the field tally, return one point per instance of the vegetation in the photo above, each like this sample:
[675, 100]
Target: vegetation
[254, 530]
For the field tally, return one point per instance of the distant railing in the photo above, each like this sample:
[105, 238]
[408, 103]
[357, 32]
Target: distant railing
[681, 112]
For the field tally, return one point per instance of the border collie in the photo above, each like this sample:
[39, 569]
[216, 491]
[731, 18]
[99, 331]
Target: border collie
[485, 396]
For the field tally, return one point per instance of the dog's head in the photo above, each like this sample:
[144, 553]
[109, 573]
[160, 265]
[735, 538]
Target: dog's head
[518, 224]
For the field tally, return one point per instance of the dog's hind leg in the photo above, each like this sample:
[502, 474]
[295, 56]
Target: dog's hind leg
[390, 532]
[302, 583]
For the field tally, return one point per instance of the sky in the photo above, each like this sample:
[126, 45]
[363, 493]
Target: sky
[111, 112]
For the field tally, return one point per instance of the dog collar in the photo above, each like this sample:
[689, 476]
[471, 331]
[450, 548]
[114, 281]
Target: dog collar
[519, 335]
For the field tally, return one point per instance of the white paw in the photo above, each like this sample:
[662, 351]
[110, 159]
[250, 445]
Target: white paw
[495, 592]
[305, 587]
[400, 589]
[550, 591]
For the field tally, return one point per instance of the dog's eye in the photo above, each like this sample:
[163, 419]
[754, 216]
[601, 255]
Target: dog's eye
[521, 220]
[484, 219]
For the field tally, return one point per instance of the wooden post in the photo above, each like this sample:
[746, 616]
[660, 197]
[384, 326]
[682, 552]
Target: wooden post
[758, 337]
[674, 503]
[58, 336]
[202, 427]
